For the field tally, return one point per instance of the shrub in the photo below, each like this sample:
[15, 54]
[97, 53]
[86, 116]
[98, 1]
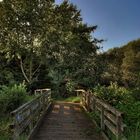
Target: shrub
[12, 97]
[70, 86]
[113, 94]
[126, 101]
[136, 94]
[131, 117]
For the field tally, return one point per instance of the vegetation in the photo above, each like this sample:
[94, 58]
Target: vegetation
[10, 98]
[43, 44]
[123, 65]
[122, 99]
[42, 48]
[73, 99]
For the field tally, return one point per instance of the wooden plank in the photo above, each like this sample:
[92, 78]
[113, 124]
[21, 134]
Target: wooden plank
[109, 116]
[118, 128]
[24, 106]
[109, 107]
[102, 118]
[111, 127]
[31, 112]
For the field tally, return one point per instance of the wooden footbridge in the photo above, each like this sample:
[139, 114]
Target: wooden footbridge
[43, 119]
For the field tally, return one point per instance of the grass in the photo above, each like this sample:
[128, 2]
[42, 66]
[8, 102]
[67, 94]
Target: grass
[73, 99]
[136, 134]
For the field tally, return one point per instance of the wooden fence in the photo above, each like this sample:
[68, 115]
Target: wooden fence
[27, 117]
[110, 118]
[41, 91]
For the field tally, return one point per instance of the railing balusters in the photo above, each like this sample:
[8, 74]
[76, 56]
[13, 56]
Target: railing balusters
[109, 116]
[119, 124]
[29, 114]
[102, 118]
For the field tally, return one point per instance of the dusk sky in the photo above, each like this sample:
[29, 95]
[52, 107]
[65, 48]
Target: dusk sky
[118, 20]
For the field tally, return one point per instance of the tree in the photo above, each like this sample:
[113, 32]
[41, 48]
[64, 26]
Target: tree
[22, 23]
[113, 60]
[123, 64]
[40, 34]
[131, 64]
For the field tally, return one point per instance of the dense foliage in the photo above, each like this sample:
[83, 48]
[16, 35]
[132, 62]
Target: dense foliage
[123, 65]
[12, 97]
[46, 43]
[124, 100]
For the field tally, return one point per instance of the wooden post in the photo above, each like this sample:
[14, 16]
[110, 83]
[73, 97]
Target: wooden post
[102, 118]
[88, 101]
[77, 93]
[16, 134]
[94, 104]
[119, 131]
[31, 120]
[83, 100]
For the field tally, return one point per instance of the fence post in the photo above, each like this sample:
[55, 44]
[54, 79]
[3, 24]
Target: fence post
[119, 131]
[31, 119]
[94, 104]
[16, 134]
[102, 118]
[88, 101]
[82, 98]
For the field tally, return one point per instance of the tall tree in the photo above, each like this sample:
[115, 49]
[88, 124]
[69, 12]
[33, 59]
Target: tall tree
[131, 63]
[41, 33]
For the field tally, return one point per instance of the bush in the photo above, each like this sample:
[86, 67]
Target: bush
[131, 113]
[113, 94]
[131, 117]
[126, 101]
[136, 94]
[70, 86]
[12, 97]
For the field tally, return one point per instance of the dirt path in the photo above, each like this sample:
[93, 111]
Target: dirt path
[67, 122]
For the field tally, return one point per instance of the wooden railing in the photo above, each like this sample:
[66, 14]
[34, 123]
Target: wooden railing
[27, 117]
[110, 118]
[41, 91]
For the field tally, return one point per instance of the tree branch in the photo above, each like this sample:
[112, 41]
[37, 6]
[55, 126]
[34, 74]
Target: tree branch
[36, 69]
[23, 72]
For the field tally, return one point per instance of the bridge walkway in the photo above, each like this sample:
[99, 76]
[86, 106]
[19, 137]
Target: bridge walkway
[67, 121]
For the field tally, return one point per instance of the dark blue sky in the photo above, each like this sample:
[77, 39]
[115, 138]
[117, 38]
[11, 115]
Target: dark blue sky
[118, 20]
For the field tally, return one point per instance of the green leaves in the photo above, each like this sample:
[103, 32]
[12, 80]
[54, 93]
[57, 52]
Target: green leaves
[123, 65]
[12, 97]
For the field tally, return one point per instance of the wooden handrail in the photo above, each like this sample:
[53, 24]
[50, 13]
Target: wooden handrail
[109, 116]
[40, 91]
[27, 117]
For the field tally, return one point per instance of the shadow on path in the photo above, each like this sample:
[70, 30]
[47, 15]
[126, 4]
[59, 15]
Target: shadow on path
[67, 121]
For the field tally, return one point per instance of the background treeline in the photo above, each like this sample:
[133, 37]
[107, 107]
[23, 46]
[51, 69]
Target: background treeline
[120, 85]
[44, 45]
[123, 65]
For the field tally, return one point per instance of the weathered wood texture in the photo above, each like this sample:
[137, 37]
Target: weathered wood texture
[41, 91]
[67, 122]
[27, 117]
[109, 116]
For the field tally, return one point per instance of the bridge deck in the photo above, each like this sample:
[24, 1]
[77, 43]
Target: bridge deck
[66, 121]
